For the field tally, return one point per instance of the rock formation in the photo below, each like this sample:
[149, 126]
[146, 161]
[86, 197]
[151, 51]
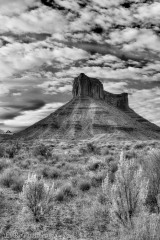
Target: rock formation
[93, 111]
[92, 87]
[85, 86]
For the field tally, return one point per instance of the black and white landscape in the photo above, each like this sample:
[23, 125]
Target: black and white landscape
[37, 70]
[80, 119]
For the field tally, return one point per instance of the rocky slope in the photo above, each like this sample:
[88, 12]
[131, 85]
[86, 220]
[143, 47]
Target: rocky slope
[93, 111]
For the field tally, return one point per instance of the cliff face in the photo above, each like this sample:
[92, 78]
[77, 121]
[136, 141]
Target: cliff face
[84, 86]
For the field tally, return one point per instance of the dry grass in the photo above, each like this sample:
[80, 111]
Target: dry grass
[79, 204]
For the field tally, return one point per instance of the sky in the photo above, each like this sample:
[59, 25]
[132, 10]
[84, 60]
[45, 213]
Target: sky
[45, 44]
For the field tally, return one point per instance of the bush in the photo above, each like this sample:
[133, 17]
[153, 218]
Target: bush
[64, 193]
[109, 159]
[2, 151]
[131, 154]
[93, 166]
[105, 151]
[113, 167]
[146, 227]
[92, 148]
[95, 220]
[97, 179]
[51, 172]
[3, 164]
[151, 165]
[89, 148]
[42, 151]
[13, 149]
[140, 145]
[37, 196]
[127, 195]
[12, 178]
[84, 185]
[25, 163]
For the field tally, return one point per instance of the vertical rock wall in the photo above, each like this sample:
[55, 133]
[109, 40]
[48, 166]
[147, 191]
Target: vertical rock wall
[92, 87]
[85, 86]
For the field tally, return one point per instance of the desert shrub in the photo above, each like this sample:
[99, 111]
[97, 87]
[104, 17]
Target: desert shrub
[60, 164]
[55, 158]
[127, 147]
[151, 165]
[3, 164]
[104, 151]
[2, 151]
[84, 185]
[127, 195]
[25, 163]
[94, 165]
[42, 151]
[109, 159]
[146, 227]
[37, 197]
[70, 170]
[97, 178]
[101, 198]
[51, 172]
[65, 192]
[89, 148]
[13, 149]
[140, 145]
[113, 167]
[12, 178]
[95, 220]
[131, 154]
[3, 205]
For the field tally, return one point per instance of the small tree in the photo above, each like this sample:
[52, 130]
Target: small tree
[126, 195]
[37, 196]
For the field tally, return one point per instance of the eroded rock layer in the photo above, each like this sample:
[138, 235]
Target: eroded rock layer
[84, 86]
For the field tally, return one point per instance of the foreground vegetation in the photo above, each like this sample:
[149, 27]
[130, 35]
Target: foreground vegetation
[80, 190]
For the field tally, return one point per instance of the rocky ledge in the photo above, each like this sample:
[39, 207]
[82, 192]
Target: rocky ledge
[85, 86]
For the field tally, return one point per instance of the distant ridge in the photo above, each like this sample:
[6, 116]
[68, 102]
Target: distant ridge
[93, 111]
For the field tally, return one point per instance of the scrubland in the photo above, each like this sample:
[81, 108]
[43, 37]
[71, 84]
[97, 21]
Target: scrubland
[80, 190]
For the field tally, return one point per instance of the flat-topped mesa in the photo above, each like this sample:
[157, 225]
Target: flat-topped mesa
[84, 86]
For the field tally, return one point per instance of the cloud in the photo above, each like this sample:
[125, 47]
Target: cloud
[10, 7]
[28, 118]
[17, 94]
[149, 12]
[3, 89]
[108, 3]
[17, 57]
[146, 103]
[115, 87]
[41, 20]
